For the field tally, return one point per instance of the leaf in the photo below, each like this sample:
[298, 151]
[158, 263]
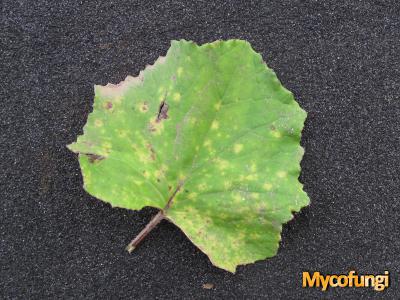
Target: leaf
[210, 137]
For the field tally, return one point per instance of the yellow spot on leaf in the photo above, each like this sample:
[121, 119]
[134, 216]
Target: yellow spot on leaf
[267, 186]
[217, 105]
[117, 100]
[193, 120]
[143, 107]
[107, 146]
[281, 174]
[179, 71]
[222, 164]
[214, 125]
[192, 195]
[158, 173]
[156, 127]
[237, 198]
[255, 195]
[276, 134]
[143, 157]
[122, 133]
[237, 148]
[177, 97]
[251, 177]
[227, 184]
[207, 143]
[98, 123]
[201, 186]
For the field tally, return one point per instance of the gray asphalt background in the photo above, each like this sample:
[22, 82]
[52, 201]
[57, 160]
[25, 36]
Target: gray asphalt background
[340, 58]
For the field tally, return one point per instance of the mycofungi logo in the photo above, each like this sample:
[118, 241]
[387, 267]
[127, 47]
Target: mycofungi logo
[317, 280]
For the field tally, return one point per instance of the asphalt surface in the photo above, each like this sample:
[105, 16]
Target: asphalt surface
[341, 59]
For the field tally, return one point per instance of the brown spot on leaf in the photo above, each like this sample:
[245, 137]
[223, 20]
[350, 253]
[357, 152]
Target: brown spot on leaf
[144, 107]
[152, 152]
[109, 105]
[94, 158]
[162, 111]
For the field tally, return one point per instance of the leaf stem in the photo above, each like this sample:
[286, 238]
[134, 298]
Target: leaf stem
[153, 223]
[149, 227]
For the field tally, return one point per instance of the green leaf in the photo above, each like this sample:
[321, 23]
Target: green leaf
[208, 135]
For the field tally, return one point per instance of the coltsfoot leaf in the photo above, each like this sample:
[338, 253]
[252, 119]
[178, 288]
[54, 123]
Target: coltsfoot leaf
[208, 135]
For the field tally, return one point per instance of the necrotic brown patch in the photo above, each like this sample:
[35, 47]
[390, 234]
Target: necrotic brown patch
[93, 158]
[162, 112]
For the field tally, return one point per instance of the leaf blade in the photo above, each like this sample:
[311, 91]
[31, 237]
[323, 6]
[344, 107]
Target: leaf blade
[216, 121]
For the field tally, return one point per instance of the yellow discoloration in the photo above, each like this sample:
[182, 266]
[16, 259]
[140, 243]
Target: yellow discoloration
[276, 134]
[267, 186]
[237, 198]
[122, 133]
[177, 97]
[215, 125]
[193, 120]
[98, 123]
[138, 182]
[222, 164]
[227, 184]
[106, 146]
[117, 100]
[144, 157]
[255, 196]
[191, 211]
[237, 148]
[251, 177]
[202, 186]
[179, 71]
[218, 105]
[108, 105]
[192, 195]
[253, 167]
[281, 174]
[207, 143]
[156, 127]
[143, 107]
[161, 89]
[146, 174]
[223, 216]
[87, 178]
[181, 176]
[158, 173]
